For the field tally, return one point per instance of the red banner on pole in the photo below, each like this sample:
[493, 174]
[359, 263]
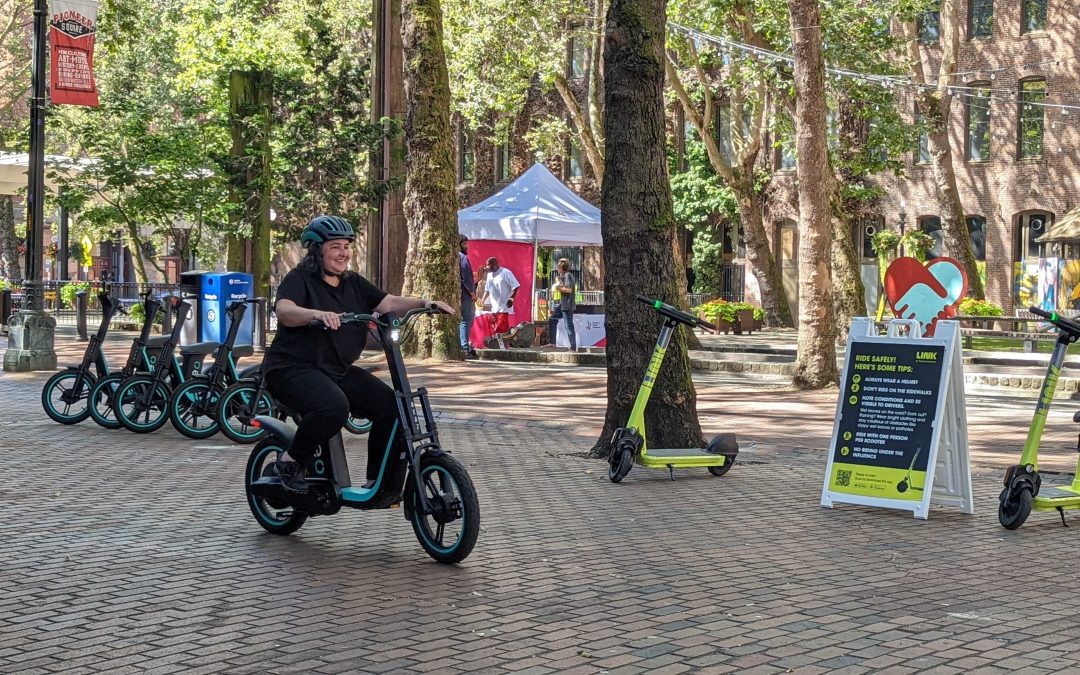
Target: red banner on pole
[72, 27]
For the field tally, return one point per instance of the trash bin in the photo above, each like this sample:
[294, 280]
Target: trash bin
[212, 293]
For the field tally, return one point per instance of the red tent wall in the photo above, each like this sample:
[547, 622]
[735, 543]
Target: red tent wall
[519, 258]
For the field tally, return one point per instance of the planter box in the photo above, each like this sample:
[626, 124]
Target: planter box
[722, 326]
[745, 320]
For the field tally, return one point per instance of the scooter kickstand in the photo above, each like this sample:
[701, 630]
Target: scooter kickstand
[671, 472]
[1061, 512]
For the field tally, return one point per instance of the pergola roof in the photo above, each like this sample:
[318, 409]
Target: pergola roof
[13, 168]
[1067, 229]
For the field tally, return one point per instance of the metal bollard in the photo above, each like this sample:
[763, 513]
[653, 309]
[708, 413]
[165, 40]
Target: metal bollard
[166, 322]
[5, 305]
[80, 316]
[259, 326]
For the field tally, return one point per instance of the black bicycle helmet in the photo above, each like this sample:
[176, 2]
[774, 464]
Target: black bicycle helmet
[322, 229]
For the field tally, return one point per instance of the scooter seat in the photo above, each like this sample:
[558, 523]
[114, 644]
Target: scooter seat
[240, 351]
[199, 348]
[157, 340]
[723, 444]
[275, 427]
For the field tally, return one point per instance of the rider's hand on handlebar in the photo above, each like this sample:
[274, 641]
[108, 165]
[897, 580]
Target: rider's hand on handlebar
[331, 320]
[441, 306]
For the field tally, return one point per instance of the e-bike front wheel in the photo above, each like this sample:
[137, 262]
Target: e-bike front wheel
[66, 396]
[192, 409]
[141, 404]
[273, 516]
[1014, 509]
[448, 532]
[101, 401]
[237, 407]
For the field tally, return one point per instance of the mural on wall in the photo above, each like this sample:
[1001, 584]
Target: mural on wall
[1048, 283]
[925, 292]
[1069, 296]
[1025, 284]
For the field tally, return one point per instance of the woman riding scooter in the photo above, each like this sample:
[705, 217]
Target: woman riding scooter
[311, 370]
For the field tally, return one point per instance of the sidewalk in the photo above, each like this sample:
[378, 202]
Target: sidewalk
[137, 553]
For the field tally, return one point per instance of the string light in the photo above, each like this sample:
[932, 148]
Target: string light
[889, 82]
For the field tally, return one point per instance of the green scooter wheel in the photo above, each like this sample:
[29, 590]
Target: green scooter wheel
[1013, 514]
[619, 463]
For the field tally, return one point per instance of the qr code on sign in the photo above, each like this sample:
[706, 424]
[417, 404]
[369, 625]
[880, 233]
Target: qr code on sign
[843, 478]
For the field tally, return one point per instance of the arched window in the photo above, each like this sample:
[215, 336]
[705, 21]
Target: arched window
[862, 235]
[932, 226]
[977, 232]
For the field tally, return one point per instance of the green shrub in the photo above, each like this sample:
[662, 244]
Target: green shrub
[973, 307]
[718, 310]
[68, 291]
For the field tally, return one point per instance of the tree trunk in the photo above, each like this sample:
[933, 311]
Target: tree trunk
[584, 130]
[956, 239]
[135, 245]
[250, 119]
[431, 264]
[815, 365]
[936, 108]
[9, 243]
[638, 226]
[849, 293]
[759, 253]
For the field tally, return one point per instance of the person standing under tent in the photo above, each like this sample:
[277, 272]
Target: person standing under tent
[468, 299]
[563, 303]
[500, 287]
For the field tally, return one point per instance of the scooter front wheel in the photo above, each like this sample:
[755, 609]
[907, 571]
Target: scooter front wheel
[448, 533]
[275, 517]
[620, 462]
[192, 407]
[141, 404]
[101, 401]
[1014, 510]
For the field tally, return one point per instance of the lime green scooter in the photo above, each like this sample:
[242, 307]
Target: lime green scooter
[1024, 490]
[628, 443]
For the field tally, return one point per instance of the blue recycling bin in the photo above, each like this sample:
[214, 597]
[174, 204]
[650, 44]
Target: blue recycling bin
[210, 294]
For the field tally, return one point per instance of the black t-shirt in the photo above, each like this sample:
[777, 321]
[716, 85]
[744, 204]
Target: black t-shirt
[331, 351]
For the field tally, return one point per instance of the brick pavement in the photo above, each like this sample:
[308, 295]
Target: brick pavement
[129, 553]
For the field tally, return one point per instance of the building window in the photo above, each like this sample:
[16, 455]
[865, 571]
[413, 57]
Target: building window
[579, 54]
[923, 156]
[722, 129]
[863, 237]
[1032, 95]
[1032, 226]
[930, 24]
[977, 113]
[977, 232]
[1033, 15]
[502, 162]
[466, 163]
[981, 19]
[785, 155]
[932, 226]
[573, 161]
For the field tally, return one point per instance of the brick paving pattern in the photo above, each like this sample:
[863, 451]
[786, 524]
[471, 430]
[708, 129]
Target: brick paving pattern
[129, 553]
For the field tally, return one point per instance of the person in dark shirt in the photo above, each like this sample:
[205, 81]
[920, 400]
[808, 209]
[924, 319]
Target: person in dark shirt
[468, 299]
[310, 369]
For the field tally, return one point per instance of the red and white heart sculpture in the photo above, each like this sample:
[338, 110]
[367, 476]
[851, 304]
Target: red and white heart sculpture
[925, 292]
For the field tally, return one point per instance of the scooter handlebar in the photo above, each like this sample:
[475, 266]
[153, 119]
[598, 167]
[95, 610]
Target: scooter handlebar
[354, 317]
[1067, 325]
[675, 313]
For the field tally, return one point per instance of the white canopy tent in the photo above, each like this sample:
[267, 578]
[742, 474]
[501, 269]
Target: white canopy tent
[537, 208]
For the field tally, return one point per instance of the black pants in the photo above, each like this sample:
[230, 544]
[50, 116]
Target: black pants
[553, 326]
[324, 404]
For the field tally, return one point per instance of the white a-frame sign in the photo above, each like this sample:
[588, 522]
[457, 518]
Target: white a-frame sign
[900, 440]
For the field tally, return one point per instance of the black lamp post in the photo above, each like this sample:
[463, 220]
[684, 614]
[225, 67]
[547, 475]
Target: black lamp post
[903, 224]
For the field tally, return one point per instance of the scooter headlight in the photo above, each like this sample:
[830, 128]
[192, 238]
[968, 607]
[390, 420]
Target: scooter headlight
[395, 333]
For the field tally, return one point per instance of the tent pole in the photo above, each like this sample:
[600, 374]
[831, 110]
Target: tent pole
[532, 298]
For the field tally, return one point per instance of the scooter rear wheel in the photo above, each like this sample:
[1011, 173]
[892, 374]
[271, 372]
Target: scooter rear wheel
[275, 518]
[721, 470]
[1018, 509]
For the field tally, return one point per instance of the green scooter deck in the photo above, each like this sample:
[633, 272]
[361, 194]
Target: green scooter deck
[681, 457]
[1052, 497]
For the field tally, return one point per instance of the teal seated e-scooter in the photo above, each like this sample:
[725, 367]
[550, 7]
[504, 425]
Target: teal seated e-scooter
[628, 443]
[1024, 490]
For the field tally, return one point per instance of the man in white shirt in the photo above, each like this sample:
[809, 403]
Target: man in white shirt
[500, 287]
